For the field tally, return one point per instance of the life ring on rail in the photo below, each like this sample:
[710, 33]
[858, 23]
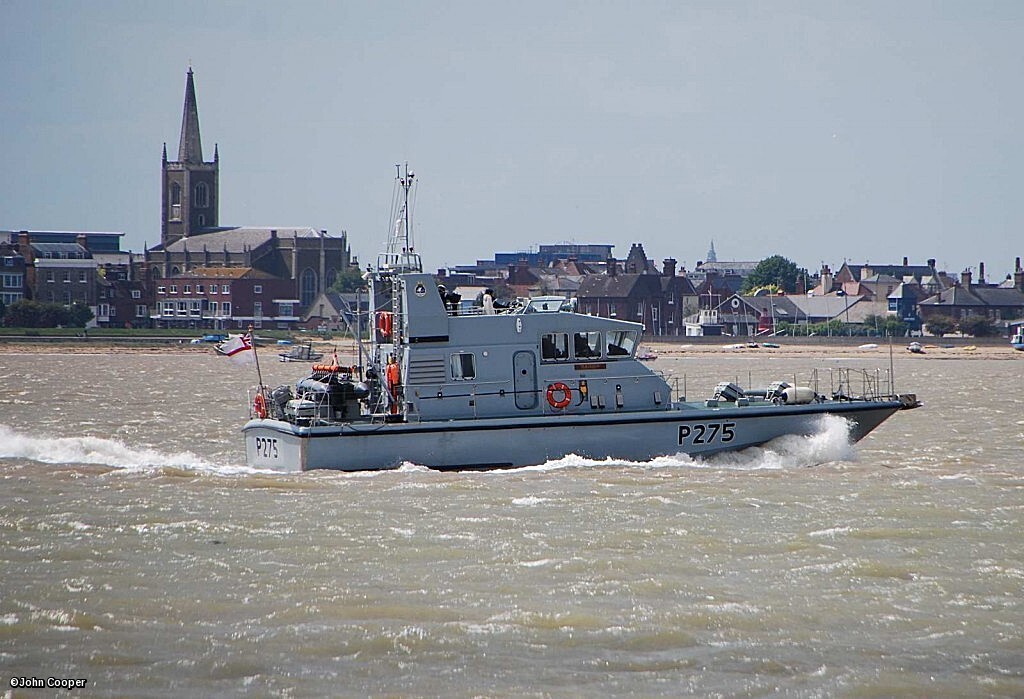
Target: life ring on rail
[385, 321]
[563, 402]
[259, 406]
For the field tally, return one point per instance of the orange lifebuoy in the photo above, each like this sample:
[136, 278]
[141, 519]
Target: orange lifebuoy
[563, 402]
[385, 320]
[259, 406]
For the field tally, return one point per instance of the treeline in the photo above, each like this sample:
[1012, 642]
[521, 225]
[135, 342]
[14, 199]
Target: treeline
[34, 314]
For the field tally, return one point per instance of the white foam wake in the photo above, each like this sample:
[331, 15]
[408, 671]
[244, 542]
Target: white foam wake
[831, 442]
[98, 451]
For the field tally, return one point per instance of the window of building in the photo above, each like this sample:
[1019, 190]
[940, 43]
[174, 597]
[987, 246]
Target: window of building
[202, 196]
[82, 277]
[257, 289]
[161, 290]
[284, 309]
[257, 309]
[167, 308]
[463, 366]
[554, 346]
[13, 281]
[586, 345]
[611, 310]
[195, 308]
[226, 308]
[654, 314]
[214, 307]
[175, 196]
[225, 288]
[49, 275]
[201, 220]
[141, 311]
[103, 310]
[67, 277]
[200, 289]
[182, 308]
[213, 288]
[188, 288]
[136, 294]
[174, 288]
[307, 287]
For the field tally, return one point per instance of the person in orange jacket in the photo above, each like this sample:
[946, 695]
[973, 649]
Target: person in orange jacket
[393, 375]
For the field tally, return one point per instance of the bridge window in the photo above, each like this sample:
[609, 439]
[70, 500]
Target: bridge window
[586, 345]
[621, 343]
[554, 346]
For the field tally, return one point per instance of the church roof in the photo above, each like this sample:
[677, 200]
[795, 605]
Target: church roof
[236, 239]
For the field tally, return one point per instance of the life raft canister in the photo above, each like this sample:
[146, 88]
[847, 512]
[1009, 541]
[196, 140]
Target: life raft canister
[565, 391]
[259, 406]
[385, 322]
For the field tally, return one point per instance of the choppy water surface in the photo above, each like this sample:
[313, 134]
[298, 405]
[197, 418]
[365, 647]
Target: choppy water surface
[138, 552]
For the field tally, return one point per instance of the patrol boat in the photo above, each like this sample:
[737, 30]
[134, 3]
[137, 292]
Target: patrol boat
[457, 389]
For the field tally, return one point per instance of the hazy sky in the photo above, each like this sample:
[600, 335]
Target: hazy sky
[821, 131]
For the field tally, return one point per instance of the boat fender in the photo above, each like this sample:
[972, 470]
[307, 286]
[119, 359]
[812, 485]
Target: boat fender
[566, 395]
[385, 321]
[259, 406]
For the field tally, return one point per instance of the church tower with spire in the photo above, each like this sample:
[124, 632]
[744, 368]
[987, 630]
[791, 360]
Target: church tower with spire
[190, 185]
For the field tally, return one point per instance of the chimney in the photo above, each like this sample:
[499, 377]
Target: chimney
[25, 248]
[82, 240]
[981, 272]
[670, 266]
[865, 272]
[906, 261]
[612, 267]
[827, 280]
[1017, 268]
[931, 263]
[965, 278]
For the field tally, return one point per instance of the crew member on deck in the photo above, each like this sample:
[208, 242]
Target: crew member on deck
[393, 375]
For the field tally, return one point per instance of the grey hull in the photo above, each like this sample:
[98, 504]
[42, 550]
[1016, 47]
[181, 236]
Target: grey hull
[460, 445]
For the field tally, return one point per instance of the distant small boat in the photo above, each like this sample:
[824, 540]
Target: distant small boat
[869, 345]
[1017, 341]
[770, 345]
[301, 353]
[646, 356]
[915, 348]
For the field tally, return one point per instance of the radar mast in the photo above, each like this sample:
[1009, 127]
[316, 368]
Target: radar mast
[399, 254]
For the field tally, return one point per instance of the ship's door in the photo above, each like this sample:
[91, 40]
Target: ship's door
[524, 371]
